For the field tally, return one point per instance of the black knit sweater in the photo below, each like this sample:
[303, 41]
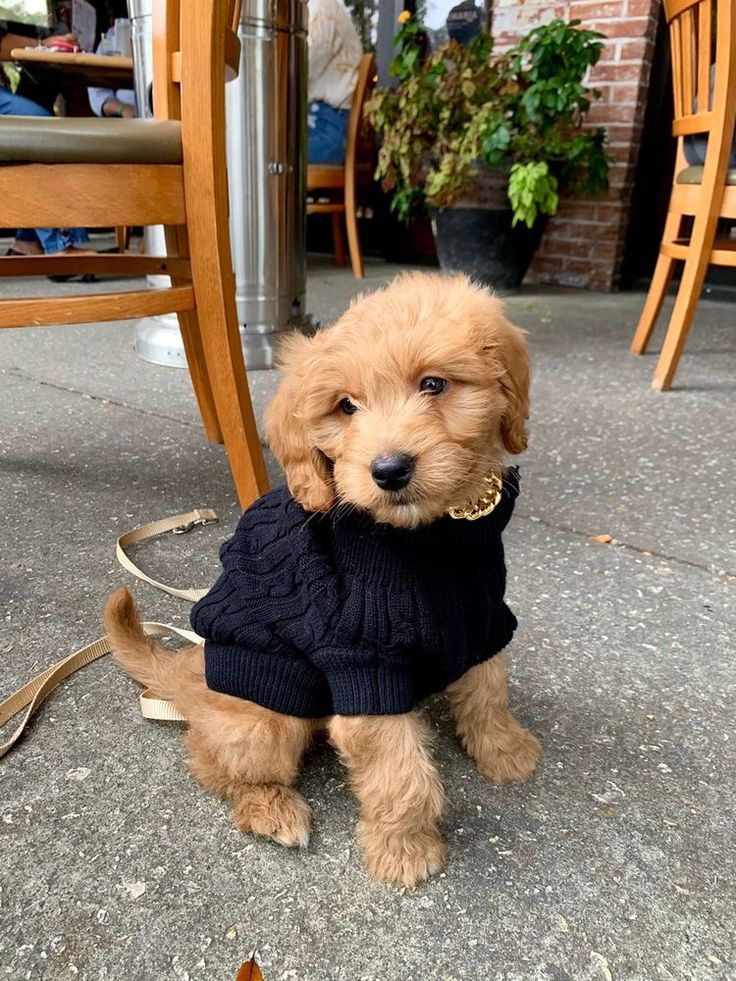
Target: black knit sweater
[318, 615]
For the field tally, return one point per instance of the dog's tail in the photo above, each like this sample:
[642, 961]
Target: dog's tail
[138, 655]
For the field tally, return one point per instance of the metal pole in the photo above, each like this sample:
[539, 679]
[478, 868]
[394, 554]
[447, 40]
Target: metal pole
[266, 153]
[266, 157]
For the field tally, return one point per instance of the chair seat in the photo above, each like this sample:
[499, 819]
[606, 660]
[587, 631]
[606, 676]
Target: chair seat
[325, 176]
[53, 140]
[333, 175]
[694, 175]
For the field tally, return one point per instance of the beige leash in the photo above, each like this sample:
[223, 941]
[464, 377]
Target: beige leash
[179, 524]
[33, 694]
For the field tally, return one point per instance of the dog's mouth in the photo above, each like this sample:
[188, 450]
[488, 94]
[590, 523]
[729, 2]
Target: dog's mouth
[400, 499]
[403, 508]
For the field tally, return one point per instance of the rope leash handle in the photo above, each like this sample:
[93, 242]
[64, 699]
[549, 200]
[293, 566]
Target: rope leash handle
[35, 692]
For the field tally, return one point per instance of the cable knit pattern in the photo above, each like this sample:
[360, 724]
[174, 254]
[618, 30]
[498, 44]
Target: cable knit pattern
[317, 615]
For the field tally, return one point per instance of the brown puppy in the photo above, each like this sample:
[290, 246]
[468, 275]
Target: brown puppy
[352, 393]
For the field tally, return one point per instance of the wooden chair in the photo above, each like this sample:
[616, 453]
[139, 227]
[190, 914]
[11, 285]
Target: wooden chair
[705, 102]
[342, 181]
[168, 171]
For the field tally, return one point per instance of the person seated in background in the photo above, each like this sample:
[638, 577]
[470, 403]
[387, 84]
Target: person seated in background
[334, 57]
[115, 103]
[695, 145]
[29, 241]
[112, 102]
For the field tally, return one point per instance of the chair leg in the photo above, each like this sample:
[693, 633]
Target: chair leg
[338, 238]
[206, 204]
[658, 288]
[351, 220]
[177, 244]
[192, 338]
[693, 277]
[214, 292]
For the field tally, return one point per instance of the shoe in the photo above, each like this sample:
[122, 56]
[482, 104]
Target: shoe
[86, 278]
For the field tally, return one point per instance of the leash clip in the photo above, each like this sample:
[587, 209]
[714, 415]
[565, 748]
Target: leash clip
[203, 516]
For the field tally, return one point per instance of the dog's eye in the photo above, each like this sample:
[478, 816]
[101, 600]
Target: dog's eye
[432, 385]
[348, 407]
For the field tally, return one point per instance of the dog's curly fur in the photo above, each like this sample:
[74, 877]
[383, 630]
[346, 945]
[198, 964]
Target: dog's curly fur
[375, 355]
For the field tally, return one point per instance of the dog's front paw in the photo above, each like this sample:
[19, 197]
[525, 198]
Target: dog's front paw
[508, 755]
[274, 811]
[402, 858]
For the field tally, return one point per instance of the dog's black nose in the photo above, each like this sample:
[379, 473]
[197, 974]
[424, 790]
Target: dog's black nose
[392, 472]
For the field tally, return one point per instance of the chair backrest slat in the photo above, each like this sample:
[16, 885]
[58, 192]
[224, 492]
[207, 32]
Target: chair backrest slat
[705, 27]
[366, 78]
[166, 97]
[688, 53]
[167, 59]
[690, 40]
[703, 87]
[676, 49]
[675, 7]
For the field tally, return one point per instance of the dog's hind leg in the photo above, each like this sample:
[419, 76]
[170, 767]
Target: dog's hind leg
[503, 750]
[250, 756]
[400, 793]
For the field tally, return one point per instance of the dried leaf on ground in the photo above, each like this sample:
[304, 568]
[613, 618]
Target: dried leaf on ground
[602, 539]
[249, 971]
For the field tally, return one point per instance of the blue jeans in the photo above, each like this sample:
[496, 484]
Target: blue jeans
[51, 239]
[695, 147]
[327, 133]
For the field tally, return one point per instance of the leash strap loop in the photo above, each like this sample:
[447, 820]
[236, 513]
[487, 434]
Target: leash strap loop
[179, 524]
[35, 692]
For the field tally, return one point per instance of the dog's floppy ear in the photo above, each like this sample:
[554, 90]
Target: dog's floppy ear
[306, 469]
[514, 356]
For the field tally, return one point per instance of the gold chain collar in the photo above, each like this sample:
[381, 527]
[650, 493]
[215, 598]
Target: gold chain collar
[486, 503]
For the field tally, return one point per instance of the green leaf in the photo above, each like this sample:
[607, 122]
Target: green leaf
[461, 105]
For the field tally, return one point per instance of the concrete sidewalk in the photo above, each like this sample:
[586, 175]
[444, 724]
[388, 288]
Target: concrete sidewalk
[616, 861]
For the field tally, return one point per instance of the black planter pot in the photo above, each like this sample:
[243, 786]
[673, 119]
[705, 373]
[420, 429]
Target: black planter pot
[482, 243]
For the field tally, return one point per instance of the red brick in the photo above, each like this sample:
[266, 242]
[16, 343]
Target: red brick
[601, 233]
[583, 265]
[546, 267]
[638, 50]
[629, 27]
[614, 72]
[610, 52]
[572, 210]
[579, 248]
[586, 10]
[619, 154]
[572, 229]
[623, 135]
[606, 250]
[608, 212]
[619, 92]
[642, 8]
[611, 112]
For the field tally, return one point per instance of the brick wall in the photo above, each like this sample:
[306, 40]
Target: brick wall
[584, 243]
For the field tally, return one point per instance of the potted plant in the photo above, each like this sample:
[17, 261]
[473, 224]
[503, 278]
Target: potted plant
[489, 142]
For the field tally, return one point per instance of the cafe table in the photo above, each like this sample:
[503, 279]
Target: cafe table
[72, 73]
